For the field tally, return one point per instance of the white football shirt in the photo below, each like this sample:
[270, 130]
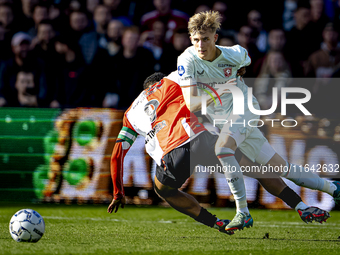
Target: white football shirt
[193, 70]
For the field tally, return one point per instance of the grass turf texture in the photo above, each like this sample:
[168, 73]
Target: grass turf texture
[154, 230]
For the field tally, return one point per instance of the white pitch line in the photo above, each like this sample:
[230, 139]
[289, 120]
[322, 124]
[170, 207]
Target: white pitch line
[256, 223]
[107, 219]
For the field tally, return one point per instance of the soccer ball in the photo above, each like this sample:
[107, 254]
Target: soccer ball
[26, 225]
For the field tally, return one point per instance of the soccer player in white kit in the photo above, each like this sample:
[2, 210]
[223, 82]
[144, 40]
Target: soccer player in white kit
[205, 65]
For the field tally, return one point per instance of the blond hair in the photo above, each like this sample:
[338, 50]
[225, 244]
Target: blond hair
[204, 21]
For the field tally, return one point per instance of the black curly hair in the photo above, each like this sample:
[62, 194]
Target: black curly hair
[152, 79]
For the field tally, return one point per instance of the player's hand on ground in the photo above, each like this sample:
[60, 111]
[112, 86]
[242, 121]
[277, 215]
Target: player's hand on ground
[115, 205]
[241, 71]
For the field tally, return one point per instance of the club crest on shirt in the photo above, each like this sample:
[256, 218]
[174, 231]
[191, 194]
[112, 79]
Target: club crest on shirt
[181, 70]
[227, 71]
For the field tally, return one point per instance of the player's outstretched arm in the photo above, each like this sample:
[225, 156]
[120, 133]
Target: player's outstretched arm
[192, 101]
[126, 138]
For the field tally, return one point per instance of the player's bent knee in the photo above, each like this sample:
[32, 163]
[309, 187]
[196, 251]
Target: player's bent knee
[166, 191]
[225, 142]
[163, 190]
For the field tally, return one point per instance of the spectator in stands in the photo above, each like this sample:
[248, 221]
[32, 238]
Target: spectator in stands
[327, 96]
[163, 52]
[74, 87]
[40, 13]
[7, 23]
[276, 42]
[115, 30]
[58, 17]
[89, 42]
[27, 92]
[101, 17]
[318, 15]
[43, 46]
[5, 47]
[91, 5]
[75, 5]
[26, 19]
[6, 16]
[301, 39]
[181, 41]
[101, 65]
[275, 72]
[323, 62]
[42, 42]
[255, 22]
[131, 65]
[172, 19]
[247, 39]
[23, 59]
[288, 21]
[113, 5]
[222, 8]
[53, 12]
[119, 10]
[78, 25]
[277, 39]
[226, 39]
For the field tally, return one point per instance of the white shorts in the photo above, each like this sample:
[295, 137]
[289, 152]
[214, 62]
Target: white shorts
[247, 136]
[251, 144]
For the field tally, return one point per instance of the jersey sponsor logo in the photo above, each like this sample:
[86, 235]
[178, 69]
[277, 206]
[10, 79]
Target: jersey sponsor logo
[227, 71]
[200, 73]
[150, 109]
[224, 65]
[154, 131]
[181, 70]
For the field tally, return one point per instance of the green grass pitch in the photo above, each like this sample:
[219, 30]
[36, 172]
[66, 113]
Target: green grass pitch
[89, 229]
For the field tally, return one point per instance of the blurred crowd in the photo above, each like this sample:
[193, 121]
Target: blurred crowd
[97, 53]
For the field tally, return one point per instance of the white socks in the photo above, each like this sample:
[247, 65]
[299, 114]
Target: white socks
[234, 176]
[244, 210]
[301, 206]
[304, 178]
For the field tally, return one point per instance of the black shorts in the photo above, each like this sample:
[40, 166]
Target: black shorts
[178, 165]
